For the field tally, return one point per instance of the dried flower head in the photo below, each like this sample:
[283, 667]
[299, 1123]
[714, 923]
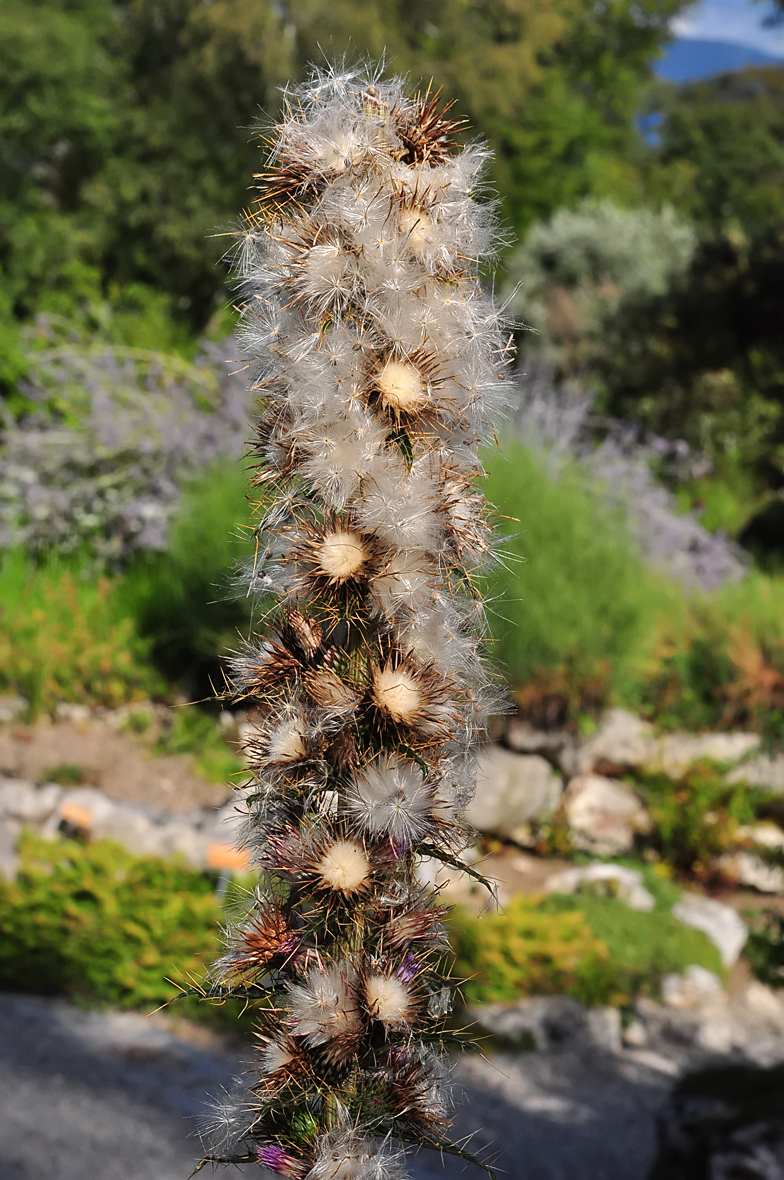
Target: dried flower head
[344, 867]
[391, 798]
[324, 1011]
[389, 999]
[379, 361]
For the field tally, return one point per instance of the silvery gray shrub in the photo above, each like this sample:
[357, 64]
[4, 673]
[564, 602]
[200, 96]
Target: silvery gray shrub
[97, 465]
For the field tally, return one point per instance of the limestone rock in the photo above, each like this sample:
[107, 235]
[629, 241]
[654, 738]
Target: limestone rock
[24, 801]
[86, 808]
[75, 713]
[603, 814]
[694, 991]
[524, 739]
[746, 868]
[512, 789]
[766, 833]
[764, 771]
[622, 739]
[720, 922]
[131, 825]
[676, 752]
[12, 707]
[628, 883]
[180, 836]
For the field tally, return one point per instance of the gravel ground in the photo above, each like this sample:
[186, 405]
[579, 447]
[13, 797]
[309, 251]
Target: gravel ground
[115, 1096]
[120, 764]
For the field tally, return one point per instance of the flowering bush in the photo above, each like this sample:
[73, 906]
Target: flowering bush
[380, 364]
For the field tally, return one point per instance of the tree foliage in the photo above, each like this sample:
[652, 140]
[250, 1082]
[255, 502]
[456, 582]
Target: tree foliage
[125, 148]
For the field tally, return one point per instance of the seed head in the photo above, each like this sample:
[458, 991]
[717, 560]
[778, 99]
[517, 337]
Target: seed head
[397, 693]
[344, 867]
[401, 387]
[342, 555]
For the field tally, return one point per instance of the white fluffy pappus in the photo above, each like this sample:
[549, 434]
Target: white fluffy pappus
[390, 797]
[389, 1000]
[344, 867]
[324, 1008]
[227, 1120]
[399, 506]
[342, 554]
[339, 453]
[350, 1155]
[404, 580]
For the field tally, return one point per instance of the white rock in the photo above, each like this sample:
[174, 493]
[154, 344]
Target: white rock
[768, 834]
[763, 771]
[9, 860]
[604, 1028]
[184, 838]
[635, 1035]
[676, 752]
[720, 922]
[715, 1033]
[26, 802]
[552, 1023]
[131, 826]
[765, 1004]
[511, 789]
[693, 991]
[746, 868]
[622, 739]
[524, 739]
[603, 814]
[75, 713]
[629, 883]
[85, 807]
[12, 707]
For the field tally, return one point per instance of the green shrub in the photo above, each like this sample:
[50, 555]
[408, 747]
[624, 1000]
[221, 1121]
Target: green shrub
[64, 636]
[721, 665]
[589, 946]
[580, 621]
[198, 733]
[642, 947]
[524, 951]
[696, 817]
[764, 947]
[183, 600]
[102, 926]
[574, 607]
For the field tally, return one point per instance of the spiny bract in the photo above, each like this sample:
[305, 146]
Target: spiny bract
[380, 365]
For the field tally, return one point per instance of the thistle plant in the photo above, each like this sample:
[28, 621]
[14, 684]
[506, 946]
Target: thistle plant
[380, 363]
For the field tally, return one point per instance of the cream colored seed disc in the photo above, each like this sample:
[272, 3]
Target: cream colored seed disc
[397, 693]
[344, 867]
[402, 387]
[387, 998]
[288, 744]
[417, 227]
[341, 555]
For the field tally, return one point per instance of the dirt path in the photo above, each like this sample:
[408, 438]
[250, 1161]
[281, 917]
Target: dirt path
[120, 764]
[89, 1095]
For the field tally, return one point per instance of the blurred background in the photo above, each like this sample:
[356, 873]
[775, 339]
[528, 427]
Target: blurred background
[632, 808]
